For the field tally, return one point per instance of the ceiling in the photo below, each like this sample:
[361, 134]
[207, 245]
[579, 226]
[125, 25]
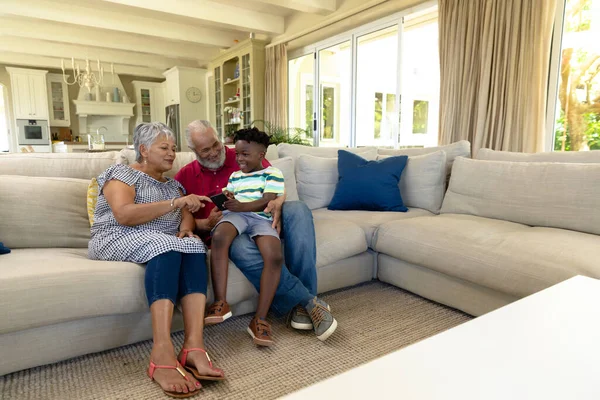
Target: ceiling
[141, 37]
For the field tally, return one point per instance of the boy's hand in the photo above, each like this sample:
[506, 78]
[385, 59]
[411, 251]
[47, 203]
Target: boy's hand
[186, 233]
[274, 208]
[229, 194]
[234, 205]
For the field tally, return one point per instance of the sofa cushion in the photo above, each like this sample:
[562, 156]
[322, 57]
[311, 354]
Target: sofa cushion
[505, 256]
[295, 150]
[369, 221]
[423, 181]
[338, 240]
[368, 185]
[57, 285]
[43, 212]
[182, 158]
[272, 153]
[317, 178]
[583, 157]
[286, 166]
[557, 195]
[92, 199]
[64, 165]
[461, 148]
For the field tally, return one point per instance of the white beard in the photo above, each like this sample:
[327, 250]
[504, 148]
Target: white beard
[213, 165]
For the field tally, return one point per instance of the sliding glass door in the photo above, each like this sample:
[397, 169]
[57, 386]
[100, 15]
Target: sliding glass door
[420, 77]
[377, 85]
[376, 88]
[334, 68]
[301, 82]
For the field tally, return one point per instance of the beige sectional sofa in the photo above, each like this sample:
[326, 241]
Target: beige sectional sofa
[502, 230]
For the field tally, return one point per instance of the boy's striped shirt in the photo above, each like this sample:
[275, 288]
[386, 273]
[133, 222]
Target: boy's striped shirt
[250, 187]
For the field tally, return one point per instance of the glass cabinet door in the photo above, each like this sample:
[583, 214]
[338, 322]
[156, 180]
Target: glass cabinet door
[246, 91]
[146, 105]
[58, 102]
[218, 104]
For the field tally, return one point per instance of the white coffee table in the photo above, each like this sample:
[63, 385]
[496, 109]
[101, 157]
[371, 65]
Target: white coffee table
[545, 346]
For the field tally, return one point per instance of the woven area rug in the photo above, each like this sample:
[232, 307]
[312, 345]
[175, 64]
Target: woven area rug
[374, 319]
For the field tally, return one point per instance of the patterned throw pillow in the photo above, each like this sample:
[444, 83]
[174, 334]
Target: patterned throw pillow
[92, 198]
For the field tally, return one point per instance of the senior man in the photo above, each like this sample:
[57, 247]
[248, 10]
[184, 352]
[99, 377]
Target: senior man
[297, 289]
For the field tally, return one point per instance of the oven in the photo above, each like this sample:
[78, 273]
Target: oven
[33, 131]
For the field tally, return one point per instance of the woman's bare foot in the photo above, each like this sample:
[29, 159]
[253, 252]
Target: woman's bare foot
[199, 360]
[169, 379]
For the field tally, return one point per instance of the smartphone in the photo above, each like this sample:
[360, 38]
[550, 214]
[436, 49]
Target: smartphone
[219, 200]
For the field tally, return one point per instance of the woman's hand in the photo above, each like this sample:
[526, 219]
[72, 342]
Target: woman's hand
[186, 233]
[192, 202]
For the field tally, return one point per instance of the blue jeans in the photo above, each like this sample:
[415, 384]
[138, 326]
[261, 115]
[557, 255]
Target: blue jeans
[298, 282]
[173, 275]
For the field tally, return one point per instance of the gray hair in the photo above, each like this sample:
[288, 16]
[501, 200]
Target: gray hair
[146, 133]
[198, 125]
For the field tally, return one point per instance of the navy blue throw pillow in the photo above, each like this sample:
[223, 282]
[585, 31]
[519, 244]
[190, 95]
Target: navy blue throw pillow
[368, 185]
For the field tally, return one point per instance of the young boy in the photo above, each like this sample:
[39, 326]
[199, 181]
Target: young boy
[249, 191]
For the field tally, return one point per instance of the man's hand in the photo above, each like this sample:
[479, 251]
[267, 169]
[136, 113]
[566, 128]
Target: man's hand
[234, 205]
[274, 208]
[209, 223]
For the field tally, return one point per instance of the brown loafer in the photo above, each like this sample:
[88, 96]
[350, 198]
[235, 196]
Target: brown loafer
[218, 312]
[260, 330]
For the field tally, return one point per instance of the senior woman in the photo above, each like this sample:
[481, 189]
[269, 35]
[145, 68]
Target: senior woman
[143, 217]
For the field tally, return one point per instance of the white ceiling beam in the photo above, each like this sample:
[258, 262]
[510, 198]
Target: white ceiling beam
[29, 60]
[214, 13]
[321, 7]
[66, 51]
[74, 34]
[116, 21]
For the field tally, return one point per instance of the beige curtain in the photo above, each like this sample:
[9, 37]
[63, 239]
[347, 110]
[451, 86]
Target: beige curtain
[276, 85]
[494, 64]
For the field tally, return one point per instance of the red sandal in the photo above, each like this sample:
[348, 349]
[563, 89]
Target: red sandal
[194, 371]
[153, 367]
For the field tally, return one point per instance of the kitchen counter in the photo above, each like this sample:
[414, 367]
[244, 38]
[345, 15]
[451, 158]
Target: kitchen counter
[81, 147]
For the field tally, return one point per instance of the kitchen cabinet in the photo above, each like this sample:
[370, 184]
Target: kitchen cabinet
[29, 93]
[58, 101]
[238, 76]
[172, 87]
[186, 86]
[150, 101]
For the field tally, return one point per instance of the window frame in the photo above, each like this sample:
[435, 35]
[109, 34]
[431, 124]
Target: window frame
[352, 36]
[554, 75]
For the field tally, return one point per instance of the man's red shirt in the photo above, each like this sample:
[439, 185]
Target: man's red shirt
[205, 182]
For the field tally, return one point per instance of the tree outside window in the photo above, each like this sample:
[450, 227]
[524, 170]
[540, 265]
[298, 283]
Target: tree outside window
[578, 116]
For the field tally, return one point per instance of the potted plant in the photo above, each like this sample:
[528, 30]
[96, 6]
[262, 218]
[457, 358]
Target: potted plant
[280, 134]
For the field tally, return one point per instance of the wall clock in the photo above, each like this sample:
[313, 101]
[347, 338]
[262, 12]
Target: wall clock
[193, 94]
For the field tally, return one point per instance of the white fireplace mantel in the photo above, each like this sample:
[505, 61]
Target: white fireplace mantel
[114, 116]
[84, 107]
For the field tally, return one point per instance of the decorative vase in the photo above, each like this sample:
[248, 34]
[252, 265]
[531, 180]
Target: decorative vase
[98, 96]
[108, 97]
[116, 95]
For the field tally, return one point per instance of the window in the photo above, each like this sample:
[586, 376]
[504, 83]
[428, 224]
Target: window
[300, 100]
[335, 92]
[308, 110]
[3, 121]
[349, 87]
[420, 116]
[575, 124]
